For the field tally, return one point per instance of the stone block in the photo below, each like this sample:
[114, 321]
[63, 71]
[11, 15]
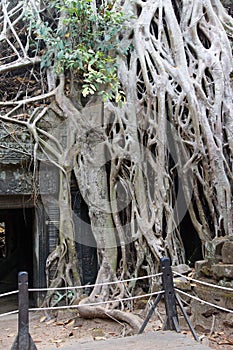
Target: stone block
[202, 316]
[215, 296]
[182, 283]
[182, 269]
[227, 253]
[214, 249]
[222, 270]
[202, 269]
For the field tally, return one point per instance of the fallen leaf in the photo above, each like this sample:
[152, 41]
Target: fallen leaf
[78, 326]
[57, 341]
[223, 342]
[11, 334]
[42, 319]
[70, 322]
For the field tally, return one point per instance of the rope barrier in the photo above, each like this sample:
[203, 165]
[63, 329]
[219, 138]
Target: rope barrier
[9, 313]
[93, 285]
[119, 300]
[171, 300]
[204, 302]
[9, 293]
[94, 304]
[204, 283]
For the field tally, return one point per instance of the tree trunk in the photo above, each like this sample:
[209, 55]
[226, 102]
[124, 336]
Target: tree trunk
[144, 160]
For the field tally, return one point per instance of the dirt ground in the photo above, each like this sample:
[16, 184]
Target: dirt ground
[66, 327]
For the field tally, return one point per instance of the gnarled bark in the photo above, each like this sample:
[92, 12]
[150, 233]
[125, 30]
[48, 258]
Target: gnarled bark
[141, 166]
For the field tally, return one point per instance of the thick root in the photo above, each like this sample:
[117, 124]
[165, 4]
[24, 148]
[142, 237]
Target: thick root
[132, 320]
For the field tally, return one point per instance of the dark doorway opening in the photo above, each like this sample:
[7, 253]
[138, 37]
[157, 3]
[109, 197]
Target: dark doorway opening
[16, 251]
[191, 241]
[85, 243]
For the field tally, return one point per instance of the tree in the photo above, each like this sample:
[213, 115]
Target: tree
[135, 99]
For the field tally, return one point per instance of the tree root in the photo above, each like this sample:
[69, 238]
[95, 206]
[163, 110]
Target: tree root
[132, 320]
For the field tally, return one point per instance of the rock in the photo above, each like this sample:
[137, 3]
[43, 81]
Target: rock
[215, 296]
[98, 333]
[140, 303]
[214, 250]
[222, 270]
[227, 253]
[202, 268]
[182, 283]
[182, 269]
[224, 283]
[202, 316]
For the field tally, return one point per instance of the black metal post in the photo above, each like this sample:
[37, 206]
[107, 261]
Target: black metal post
[171, 322]
[23, 318]
[23, 340]
[186, 318]
[150, 313]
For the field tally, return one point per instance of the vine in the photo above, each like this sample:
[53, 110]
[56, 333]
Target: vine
[165, 154]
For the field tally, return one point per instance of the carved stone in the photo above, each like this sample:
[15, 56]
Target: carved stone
[214, 250]
[202, 268]
[215, 296]
[227, 253]
[15, 181]
[222, 270]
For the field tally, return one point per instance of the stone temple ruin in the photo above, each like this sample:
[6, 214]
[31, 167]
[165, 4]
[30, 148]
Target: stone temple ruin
[29, 232]
[217, 268]
[29, 217]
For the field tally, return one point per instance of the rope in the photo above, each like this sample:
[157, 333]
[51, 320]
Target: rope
[204, 302]
[9, 293]
[94, 304]
[93, 285]
[204, 283]
[9, 313]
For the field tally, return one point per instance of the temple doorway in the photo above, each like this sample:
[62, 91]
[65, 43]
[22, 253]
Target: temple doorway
[16, 246]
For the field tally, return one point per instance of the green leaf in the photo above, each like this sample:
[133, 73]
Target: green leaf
[85, 92]
[82, 42]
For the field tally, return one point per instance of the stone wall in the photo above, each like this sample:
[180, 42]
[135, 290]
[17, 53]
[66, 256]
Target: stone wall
[218, 263]
[217, 269]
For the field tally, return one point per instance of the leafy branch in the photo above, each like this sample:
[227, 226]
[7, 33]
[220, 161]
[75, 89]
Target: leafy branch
[85, 40]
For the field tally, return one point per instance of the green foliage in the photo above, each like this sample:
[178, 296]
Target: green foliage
[82, 38]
